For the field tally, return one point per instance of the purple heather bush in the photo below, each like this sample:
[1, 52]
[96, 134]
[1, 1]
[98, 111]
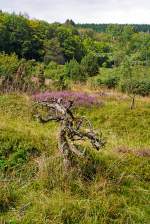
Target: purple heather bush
[79, 98]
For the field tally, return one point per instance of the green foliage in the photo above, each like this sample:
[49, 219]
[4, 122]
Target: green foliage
[104, 27]
[54, 71]
[134, 86]
[53, 51]
[97, 47]
[84, 50]
[89, 65]
[34, 39]
[128, 78]
[107, 77]
[72, 71]
[69, 22]
[132, 78]
[8, 65]
[14, 150]
[70, 43]
[110, 81]
[17, 74]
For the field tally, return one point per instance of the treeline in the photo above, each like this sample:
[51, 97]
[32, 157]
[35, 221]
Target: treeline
[32, 51]
[60, 43]
[56, 51]
[39, 40]
[104, 27]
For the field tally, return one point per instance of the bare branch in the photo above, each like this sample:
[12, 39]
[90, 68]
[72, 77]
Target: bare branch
[71, 129]
[48, 118]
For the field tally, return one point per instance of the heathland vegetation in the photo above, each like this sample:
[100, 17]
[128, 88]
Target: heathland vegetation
[101, 71]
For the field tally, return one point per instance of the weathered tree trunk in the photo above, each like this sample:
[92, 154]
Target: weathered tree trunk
[71, 129]
[64, 148]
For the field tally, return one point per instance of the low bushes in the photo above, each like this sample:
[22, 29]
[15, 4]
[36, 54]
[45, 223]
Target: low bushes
[15, 149]
[134, 86]
[16, 74]
[107, 77]
[136, 83]
[110, 81]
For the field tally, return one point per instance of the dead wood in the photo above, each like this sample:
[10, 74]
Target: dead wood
[71, 129]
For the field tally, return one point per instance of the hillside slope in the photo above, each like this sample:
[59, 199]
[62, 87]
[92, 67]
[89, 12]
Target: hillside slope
[110, 186]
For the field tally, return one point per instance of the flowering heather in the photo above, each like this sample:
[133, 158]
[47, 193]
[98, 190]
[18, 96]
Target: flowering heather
[79, 98]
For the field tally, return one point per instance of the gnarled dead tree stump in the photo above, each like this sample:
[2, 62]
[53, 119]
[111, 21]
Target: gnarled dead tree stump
[71, 129]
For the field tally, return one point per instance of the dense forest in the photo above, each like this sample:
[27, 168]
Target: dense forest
[119, 57]
[64, 53]
[102, 28]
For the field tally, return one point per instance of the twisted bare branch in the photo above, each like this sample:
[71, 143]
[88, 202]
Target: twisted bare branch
[71, 128]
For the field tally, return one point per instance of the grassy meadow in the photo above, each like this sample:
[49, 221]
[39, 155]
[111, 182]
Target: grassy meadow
[106, 186]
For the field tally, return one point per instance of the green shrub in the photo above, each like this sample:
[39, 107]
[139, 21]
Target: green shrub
[134, 86]
[8, 64]
[96, 81]
[16, 74]
[72, 71]
[15, 149]
[89, 65]
[110, 81]
[53, 71]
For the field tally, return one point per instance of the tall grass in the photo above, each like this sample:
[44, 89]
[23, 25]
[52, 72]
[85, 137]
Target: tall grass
[110, 186]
